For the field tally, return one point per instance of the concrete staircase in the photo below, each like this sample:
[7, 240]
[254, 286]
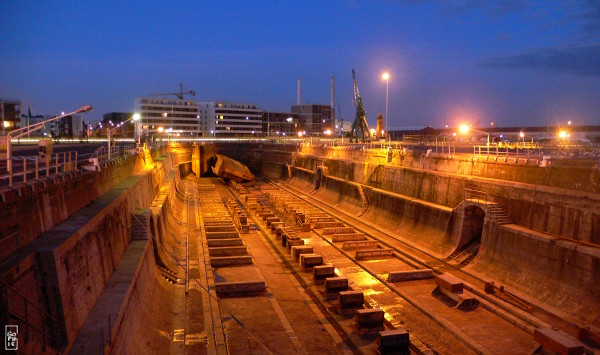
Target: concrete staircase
[140, 224]
[365, 200]
[498, 213]
[148, 157]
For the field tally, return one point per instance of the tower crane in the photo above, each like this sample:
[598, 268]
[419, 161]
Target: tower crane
[179, 94]
[360, 121]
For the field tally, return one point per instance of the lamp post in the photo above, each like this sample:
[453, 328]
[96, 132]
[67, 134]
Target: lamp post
[303, 133]
[464, 129]
[386, 77]
[18, 133]
[135, 117]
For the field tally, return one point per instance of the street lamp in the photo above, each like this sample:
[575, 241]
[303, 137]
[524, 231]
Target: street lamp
[386, 77]
[562, 134]
[18, 133]
[465, 129]
[522, 135]
[303, 133]
[135, 117]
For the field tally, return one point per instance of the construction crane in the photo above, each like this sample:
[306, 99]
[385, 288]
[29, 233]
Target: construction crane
[360, 121]
[178, 94]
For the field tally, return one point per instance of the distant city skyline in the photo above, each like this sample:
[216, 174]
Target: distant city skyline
[512, 62]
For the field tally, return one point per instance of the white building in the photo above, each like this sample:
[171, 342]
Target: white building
[220, 118]
[180, 116]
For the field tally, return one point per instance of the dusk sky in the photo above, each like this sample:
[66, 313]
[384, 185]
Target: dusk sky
[508, 61]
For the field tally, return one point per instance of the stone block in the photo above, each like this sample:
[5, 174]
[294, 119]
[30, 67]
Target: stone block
[363, 244]
[299, 250]
[308, 261]
[449, 282]
[342, 237]
[373, 253]
[229, 288]
[336, 284]
[227, 251]
[337, 230]
[230, 260]
[400, 276]
[227, 242]
[321, 272]
[393, 342]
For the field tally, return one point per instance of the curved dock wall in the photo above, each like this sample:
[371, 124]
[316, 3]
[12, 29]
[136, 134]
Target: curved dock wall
[425, 224]
[561, 174]
[566, 212]
[561, 273]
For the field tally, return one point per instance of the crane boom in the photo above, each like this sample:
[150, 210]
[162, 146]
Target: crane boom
[360, 121]
[179, 94]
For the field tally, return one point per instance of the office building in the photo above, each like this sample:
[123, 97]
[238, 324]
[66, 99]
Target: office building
[10, 114]
[315, 119]
[176, 115]
[280, 123]
[221, 118]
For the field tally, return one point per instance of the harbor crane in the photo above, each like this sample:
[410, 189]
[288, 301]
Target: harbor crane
[360, 121]
[179, 94]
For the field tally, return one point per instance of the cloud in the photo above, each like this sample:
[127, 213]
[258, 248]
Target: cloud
[582, 61]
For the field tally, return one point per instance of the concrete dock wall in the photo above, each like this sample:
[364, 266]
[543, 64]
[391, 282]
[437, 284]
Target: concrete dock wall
[561, 174]
[44, 204]
[143, 324]
[424, 223]
[556, 210]
[77, 269]
[559, 272]
[64, 270]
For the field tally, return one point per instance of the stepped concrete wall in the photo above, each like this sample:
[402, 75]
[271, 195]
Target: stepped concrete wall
[65, 269]
[555, 210]
[144, 323]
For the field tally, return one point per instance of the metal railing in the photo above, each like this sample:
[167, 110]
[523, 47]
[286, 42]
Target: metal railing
[529, 152]
[30, 168]
[479, 196]
[117, 151]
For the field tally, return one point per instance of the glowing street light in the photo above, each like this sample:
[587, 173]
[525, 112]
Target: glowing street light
[562, 134]
[134, 117]
[465, 129]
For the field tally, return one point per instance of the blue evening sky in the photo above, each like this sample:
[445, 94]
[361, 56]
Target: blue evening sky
[513, 62]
